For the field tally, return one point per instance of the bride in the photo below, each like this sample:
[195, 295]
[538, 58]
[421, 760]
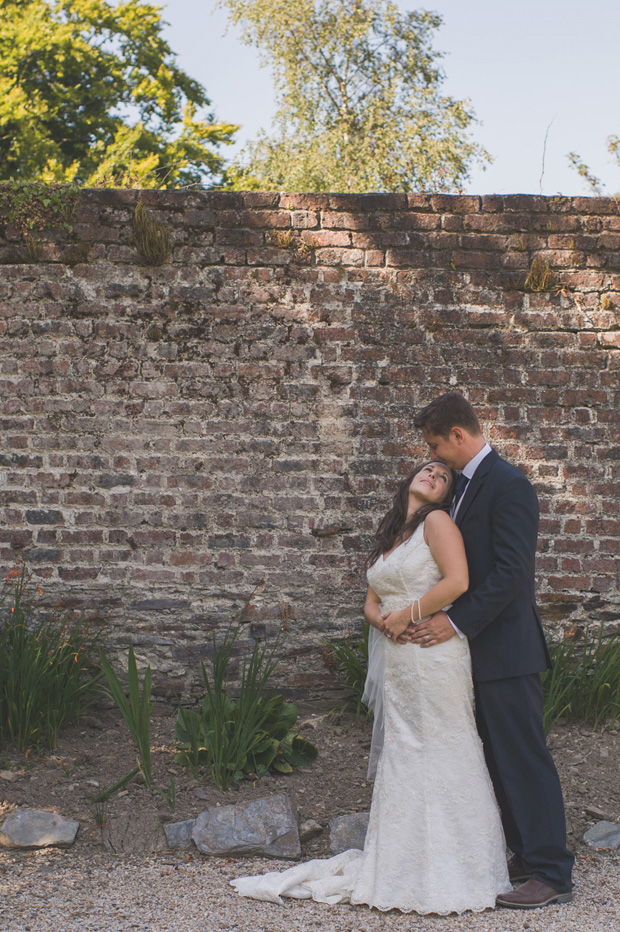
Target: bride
[434, 840]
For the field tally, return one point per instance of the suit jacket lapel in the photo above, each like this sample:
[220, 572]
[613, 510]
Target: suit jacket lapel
[475, 485]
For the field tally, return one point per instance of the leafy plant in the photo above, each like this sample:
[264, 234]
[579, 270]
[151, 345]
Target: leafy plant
[46, 669]
[36, 205]
[351, 656]
[249, 735]
[136, 711]
[584, 683]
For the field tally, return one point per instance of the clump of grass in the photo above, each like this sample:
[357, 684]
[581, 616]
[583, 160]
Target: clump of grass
[46, 670]
[150, 237]
[351, 657]
[31, 243]
[584, 683]
[541, 276]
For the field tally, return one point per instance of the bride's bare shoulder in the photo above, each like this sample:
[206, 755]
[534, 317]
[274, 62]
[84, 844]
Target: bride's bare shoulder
[438, 519]
[438, 525]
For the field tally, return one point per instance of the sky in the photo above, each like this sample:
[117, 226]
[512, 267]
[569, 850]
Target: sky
[531, 69]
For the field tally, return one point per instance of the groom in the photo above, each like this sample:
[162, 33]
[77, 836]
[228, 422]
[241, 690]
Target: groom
[496, 509]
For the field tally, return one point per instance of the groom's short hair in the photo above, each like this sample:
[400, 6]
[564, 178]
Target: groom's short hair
[445, 412]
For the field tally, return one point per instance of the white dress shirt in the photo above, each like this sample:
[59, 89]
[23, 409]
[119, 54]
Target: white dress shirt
[468, 471]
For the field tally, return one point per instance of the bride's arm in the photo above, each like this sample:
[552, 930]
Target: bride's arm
[372, 610]
[446, 546]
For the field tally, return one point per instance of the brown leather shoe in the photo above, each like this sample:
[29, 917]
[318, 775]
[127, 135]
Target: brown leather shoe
[532, 895]
[516, 873]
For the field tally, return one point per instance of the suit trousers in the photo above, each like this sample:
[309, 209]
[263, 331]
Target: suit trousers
[527, 786]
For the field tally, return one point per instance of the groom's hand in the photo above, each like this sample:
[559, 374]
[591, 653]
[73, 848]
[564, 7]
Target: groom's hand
[434, 630]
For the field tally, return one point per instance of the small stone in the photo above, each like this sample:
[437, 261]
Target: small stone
[93, 722]
[309, 829]
[93, 782]
[35, 828]
[603, 835]
[201, 794]
[8, 776]
[179, 834]
[265, 827]
[593, 812]
[348, 831]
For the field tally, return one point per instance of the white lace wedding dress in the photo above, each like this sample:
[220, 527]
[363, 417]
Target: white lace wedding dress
[435, 841]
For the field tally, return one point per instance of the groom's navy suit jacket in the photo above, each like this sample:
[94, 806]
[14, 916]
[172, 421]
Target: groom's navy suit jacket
[498, 518]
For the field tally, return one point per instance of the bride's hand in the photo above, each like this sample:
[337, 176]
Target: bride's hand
[407, 637]
[393, 624]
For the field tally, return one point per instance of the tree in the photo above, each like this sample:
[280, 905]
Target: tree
[359, 100]
[90, 92]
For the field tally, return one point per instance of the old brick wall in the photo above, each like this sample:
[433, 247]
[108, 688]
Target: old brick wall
[176, 438]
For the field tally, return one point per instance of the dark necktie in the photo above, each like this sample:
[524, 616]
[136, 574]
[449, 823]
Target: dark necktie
[459, 487]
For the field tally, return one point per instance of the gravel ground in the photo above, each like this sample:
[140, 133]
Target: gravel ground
[55, 891]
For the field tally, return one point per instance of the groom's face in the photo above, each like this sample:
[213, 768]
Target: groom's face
[448, 449]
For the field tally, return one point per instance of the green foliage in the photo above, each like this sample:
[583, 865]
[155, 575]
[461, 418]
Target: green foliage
[351, 657]
[90, 92]
[250, 735]
[136, 712]
[46, 670]
[150, 237]
[360, 103]
[595, 184]
[584, 683]
[34, 205]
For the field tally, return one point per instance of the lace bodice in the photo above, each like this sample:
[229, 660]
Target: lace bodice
[406, 574]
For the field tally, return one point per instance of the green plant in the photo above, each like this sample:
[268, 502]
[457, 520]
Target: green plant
[249, 735]
[36, 205]
[351, 656]
[136, 712]
[541, 276]
[46, 669]
[150, 237]
[31, 242]
[170, 795]
[111, 790]
[584, 682]
[99, 812]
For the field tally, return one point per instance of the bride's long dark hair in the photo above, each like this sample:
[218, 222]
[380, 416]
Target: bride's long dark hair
[394, 525]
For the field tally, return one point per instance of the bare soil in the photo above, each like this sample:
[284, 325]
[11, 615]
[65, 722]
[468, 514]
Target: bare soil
[93, 755]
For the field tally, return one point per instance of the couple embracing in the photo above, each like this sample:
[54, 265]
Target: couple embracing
[456, 652]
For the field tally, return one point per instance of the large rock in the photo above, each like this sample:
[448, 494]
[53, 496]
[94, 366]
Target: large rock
[348, 831]
[35, 828]
[603, 835]
[266, 827]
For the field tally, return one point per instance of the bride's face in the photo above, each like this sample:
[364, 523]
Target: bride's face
[432, 483]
